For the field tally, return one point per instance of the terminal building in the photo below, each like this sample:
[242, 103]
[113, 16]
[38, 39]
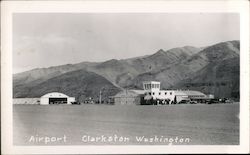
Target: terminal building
[153, 91]
[152, 94]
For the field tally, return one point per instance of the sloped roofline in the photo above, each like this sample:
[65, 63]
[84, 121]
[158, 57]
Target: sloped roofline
[54, 94]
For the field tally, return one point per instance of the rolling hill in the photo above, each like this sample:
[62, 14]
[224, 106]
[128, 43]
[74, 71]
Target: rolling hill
[80, 83]
[219, 78]
[116, 71]
[184, 67]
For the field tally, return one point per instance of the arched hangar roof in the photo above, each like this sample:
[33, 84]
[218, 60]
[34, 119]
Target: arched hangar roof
[189, 93]
[54, 94]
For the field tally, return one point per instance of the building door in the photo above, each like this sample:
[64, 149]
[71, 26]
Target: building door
[58, 101]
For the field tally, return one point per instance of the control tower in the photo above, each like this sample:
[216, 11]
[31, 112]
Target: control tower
[151, 86]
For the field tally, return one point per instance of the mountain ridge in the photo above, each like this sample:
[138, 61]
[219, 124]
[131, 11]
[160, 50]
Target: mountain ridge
[170, 67]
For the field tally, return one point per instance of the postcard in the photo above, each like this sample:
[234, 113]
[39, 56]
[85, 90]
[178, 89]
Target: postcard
[112, 77]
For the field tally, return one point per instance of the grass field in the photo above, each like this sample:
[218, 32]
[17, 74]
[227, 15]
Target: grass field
[216, 124]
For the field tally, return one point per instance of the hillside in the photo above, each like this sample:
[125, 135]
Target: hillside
[219, 78]
[184, 67]
[122, 72]
[80, 84]
[39, 75]
[197, 67]
[162, 58]
[116, 71]
[119, 72]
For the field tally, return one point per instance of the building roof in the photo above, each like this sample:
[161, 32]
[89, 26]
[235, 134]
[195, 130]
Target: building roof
[140, 92]
[129, 93]
[151, 82]
[54, 94]
[189, 93]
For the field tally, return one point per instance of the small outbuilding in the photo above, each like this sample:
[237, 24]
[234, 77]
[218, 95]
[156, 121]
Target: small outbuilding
[56, 98]
[129, 97]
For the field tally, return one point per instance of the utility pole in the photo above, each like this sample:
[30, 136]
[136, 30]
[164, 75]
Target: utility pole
[126, 95]
[100, 97]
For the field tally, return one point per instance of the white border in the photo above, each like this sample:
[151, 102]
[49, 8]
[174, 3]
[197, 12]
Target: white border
[9, 7]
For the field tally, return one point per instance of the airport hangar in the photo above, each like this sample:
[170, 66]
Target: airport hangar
[56, 98]
[47, 99]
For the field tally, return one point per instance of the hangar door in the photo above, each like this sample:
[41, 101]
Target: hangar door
[58, 100]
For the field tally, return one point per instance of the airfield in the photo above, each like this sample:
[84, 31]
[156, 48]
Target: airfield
[191, 124]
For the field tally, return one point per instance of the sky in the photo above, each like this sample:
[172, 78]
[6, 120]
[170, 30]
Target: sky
[50, 39]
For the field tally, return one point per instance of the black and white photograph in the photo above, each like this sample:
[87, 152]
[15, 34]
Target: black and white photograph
[126, 79]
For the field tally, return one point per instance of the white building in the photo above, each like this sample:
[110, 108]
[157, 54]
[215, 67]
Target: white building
[56, 98]
[152, 91]
[26, 101]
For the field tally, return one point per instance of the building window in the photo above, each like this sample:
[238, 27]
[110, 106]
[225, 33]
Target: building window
[170, 93]
[149, 86]
[165, 93]
[159, 93]
[153, 86]
[149, 93]
[153, 93]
